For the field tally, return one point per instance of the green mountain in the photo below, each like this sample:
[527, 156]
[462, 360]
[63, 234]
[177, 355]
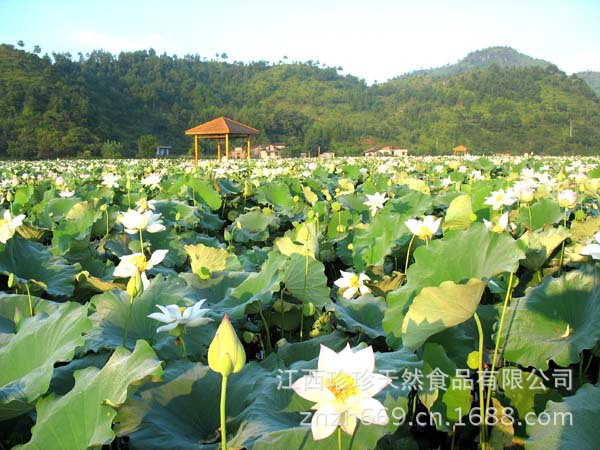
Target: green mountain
[101, 103]
[504, 57]
[592, 78]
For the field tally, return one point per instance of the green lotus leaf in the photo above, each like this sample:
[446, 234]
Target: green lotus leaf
[544, 212]
[302, 240]
[257, 286]
[445, 397]
[204, 192]
[31, 261]
[92, 402]
[253, 226]
[177, 212]
[112, 309]
[28, 358]
[435, 309]
[373, 241]
[572, 423]
[475, 253]
[554, 321]
[277, 194]
[362, 315]
[459, 214]
[540, 244]
[305, 279]
[211, 258]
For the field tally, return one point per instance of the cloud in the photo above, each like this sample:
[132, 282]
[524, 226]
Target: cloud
[92, 40]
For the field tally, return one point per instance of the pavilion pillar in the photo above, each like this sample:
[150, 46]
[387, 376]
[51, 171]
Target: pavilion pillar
[248, 151]
[196, 149]
[227, 147]
[218, 149]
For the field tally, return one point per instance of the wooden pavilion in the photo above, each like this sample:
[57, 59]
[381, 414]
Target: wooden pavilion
[460, 150]
[221, 128]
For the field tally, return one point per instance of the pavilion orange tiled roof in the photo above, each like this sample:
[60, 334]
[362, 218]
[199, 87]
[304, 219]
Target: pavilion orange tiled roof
[221, 126]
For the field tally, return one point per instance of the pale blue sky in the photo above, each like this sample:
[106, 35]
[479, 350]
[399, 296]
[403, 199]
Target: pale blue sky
[372, 39]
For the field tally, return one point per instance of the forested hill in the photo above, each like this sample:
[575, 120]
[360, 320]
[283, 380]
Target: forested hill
[505, 57]
[102, 104]
[592, 78]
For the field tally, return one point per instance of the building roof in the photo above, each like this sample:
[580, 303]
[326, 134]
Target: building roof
[222, 126]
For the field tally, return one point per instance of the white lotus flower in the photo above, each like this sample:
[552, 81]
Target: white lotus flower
[66, 193]
[8, 225]
[175, 316]
[135, 221]
[110, 180]
[567, 198]
[592, 249]
[153, 181]
[343, 387]
[375, 202]
[352, 284]
[499, 199]
[499, 227]
[445, 182]
[424, 229]
[131, 265]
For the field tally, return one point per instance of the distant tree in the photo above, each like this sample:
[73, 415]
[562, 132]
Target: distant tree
[20, 43]
[146, 146]
[111, 150]
[37, 49]
[224, 55]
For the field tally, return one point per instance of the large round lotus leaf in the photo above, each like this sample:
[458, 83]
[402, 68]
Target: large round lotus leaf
[459, 256]
[554, 321]
[362, 315]
[459, 214]
[541, 244]
[112, 309]
[438, 308]
[305, 279]
[92, 401]
[28, 358]
[570, 424]
[51, 273]
[544, 212]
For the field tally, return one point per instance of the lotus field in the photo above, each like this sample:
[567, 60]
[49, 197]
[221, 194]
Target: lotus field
[363, 303]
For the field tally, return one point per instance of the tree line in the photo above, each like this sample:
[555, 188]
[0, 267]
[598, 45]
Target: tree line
[105, 105]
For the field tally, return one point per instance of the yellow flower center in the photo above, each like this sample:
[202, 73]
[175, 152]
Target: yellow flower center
[343, 386]
[3, 222]
[141, 263]
[354, 281]
[425, 232]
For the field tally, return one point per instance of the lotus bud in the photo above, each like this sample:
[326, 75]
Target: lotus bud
[135, 286]
[226, 353]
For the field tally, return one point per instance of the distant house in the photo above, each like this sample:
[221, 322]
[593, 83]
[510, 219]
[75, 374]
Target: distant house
[238, 153]
[388, 150]
[327, 155]
[268, 151]
[460, 150]
[163, 150]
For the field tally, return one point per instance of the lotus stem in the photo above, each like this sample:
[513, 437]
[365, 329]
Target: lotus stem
[223, 416]
[339, 436]
[483, 414]
[507, 299]
[408, 254]
[29, 298]
[183, 347]
[126, 332]
[267, 332]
